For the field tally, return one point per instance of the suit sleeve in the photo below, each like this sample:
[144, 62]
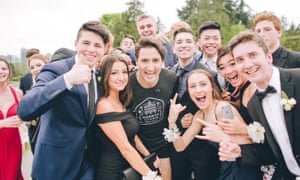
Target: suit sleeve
[50, 87]
[256, 155]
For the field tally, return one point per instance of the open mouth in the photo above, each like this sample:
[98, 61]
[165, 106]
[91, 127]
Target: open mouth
[200, 99]
[233, 78]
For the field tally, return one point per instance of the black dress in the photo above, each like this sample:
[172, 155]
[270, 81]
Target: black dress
[111, 162]
[247, 172]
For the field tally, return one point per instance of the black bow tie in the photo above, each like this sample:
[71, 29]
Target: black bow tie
[262, 95]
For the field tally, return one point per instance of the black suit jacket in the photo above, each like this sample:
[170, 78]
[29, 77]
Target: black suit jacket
[26, 82]
[286, 58]
[269, 152]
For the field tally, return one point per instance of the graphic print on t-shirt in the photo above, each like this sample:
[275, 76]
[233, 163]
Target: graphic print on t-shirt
[150, 111]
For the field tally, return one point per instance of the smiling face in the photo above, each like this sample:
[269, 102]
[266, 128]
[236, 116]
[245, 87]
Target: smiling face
[200, 90]
[210, 42]
[118, 78]
[229, 70]
[4, 72]
[146, 27]
[90, 48]
[253, 62]
[149, 63]
[35, 66]
[184, 46]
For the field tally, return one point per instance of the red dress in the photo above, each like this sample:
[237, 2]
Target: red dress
[10, 147]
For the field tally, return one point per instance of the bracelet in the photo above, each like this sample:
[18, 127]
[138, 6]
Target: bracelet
[152, 175]
[171, 134]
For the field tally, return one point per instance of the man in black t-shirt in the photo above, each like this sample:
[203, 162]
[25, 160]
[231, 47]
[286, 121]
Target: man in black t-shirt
[152, 90]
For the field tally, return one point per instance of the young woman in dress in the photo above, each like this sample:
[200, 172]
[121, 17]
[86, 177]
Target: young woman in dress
[10, 140]
[118, 125]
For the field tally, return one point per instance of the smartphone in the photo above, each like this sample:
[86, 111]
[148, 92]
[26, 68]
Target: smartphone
[226, 112]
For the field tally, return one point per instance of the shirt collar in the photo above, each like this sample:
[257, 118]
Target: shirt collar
[188, 67]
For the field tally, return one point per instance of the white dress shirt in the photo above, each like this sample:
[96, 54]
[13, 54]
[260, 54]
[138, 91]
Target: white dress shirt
[274, 114]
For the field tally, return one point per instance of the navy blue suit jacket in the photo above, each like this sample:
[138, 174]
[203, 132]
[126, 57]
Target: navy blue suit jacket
[60, 147]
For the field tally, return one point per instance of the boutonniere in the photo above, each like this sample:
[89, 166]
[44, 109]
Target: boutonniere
[256, 132]
[171, 134]
[268, 171]
[286, 102]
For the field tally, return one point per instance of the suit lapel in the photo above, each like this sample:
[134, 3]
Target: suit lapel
[80, 90]
[288, 87]
[257, 113]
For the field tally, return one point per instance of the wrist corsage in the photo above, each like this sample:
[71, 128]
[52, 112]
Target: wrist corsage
[268, 171]
[152, 175]
[256, 132]
[286, 102]
[171, 134]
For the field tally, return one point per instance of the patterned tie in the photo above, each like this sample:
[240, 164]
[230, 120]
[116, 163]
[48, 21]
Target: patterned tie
[91, 89]
[262, 95]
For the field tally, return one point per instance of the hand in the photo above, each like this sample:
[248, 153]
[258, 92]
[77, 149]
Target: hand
[229, 151]
[211, 132]
[163, 38]
[187, 120]
[226, 95]
[11, 122]
[233, 126]
[79, 74]
[174, 110]
[156, 163]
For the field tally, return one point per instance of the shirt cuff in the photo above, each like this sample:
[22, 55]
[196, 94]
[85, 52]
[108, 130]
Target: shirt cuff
[68, 85]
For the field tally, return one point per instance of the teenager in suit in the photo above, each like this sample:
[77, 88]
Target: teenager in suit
[188, 161]
[61, 97]
[281, 144]
[147, 27]
[269, 27]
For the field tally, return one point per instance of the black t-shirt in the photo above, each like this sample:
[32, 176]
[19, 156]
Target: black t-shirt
[151, 108]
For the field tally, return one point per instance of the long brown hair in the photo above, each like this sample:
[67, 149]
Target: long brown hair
[108, 61]
[216, 93]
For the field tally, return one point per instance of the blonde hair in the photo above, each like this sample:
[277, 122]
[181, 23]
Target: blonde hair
[41, 57]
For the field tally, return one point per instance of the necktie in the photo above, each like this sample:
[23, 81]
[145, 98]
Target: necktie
[262, 95]
[180, 72]
[181, 84]
[91, 91]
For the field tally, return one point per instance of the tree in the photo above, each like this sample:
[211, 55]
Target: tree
[233, 15]
[123, 23]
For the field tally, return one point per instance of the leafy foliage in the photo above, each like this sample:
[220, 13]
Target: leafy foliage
[233, 15]
[123, 23]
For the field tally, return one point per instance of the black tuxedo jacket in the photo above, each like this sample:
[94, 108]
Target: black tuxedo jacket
[26, 83]
[285, 58]
[269, 152]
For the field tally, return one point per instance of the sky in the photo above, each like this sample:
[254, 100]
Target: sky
[52, 24]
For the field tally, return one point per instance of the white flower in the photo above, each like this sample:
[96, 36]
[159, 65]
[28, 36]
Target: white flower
[256, 132]
[152, 175]
[286, 102]
[268, 171]
[171, 134]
